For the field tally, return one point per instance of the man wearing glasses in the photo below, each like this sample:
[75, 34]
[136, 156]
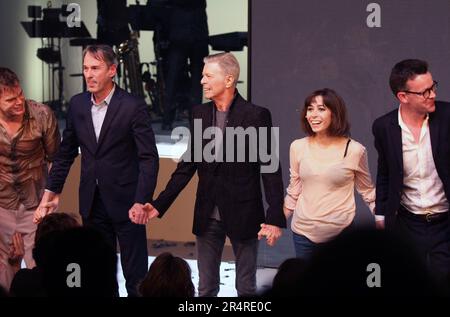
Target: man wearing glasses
[413, 179]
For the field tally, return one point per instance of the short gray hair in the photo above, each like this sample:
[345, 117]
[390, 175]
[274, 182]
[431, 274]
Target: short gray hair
[227, 62]
[103, 53]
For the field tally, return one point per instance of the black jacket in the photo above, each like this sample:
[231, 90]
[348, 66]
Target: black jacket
[124, 162]
[235, 187]
[388, 142]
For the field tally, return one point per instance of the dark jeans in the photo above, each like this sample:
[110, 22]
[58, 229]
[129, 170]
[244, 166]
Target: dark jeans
[210, 246]
[431, 240]
[304, 248]
[132, 241]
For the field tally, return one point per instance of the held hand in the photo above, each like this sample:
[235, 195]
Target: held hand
[262, 232]
[271, 232]
[49, 203]
[137, 214]
[152, 212]
[265, 232]
[39, 213]
[141, 214]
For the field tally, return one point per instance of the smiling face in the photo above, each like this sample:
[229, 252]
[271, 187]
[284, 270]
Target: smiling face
[214, 81]
[318, 116]
[12, 102]
[98, 75]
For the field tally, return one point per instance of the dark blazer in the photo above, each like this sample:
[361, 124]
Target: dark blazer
[388, 142]
[235, 187]
[123, 163]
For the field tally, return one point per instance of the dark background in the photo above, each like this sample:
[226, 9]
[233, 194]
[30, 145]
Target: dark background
[300, 46]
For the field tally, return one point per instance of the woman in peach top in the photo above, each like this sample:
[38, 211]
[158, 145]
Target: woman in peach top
[325, 168]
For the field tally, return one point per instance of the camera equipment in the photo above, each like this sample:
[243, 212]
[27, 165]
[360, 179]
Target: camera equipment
[48, 25]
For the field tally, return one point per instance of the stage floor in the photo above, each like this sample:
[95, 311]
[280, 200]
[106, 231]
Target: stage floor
[264, 277]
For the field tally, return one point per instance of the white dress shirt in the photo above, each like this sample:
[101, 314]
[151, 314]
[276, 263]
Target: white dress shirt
[423, 191]
[98, 111]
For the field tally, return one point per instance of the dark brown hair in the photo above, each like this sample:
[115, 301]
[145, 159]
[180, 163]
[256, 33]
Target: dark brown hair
[168, 276]
[8, 79]
[406, 70]
[102, 53]
[339, 124]
[57, 221]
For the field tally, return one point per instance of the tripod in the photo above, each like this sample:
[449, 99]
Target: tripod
[51, 55]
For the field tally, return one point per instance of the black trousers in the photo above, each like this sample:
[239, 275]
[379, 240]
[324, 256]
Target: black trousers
[430, 239]
[132, 242]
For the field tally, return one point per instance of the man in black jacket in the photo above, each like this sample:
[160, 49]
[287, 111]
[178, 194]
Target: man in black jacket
[413, 181]
[229, 198]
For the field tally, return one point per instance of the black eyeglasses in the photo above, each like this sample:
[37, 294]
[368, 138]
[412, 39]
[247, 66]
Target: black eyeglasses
[426, 93]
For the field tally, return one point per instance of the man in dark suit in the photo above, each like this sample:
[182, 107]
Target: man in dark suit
[119, 162]
[413, 181]
[229, 198]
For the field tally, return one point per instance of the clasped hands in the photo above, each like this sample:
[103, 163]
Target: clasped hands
[142, 213]
[49, 203]
[138, 213]
[270, 232]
